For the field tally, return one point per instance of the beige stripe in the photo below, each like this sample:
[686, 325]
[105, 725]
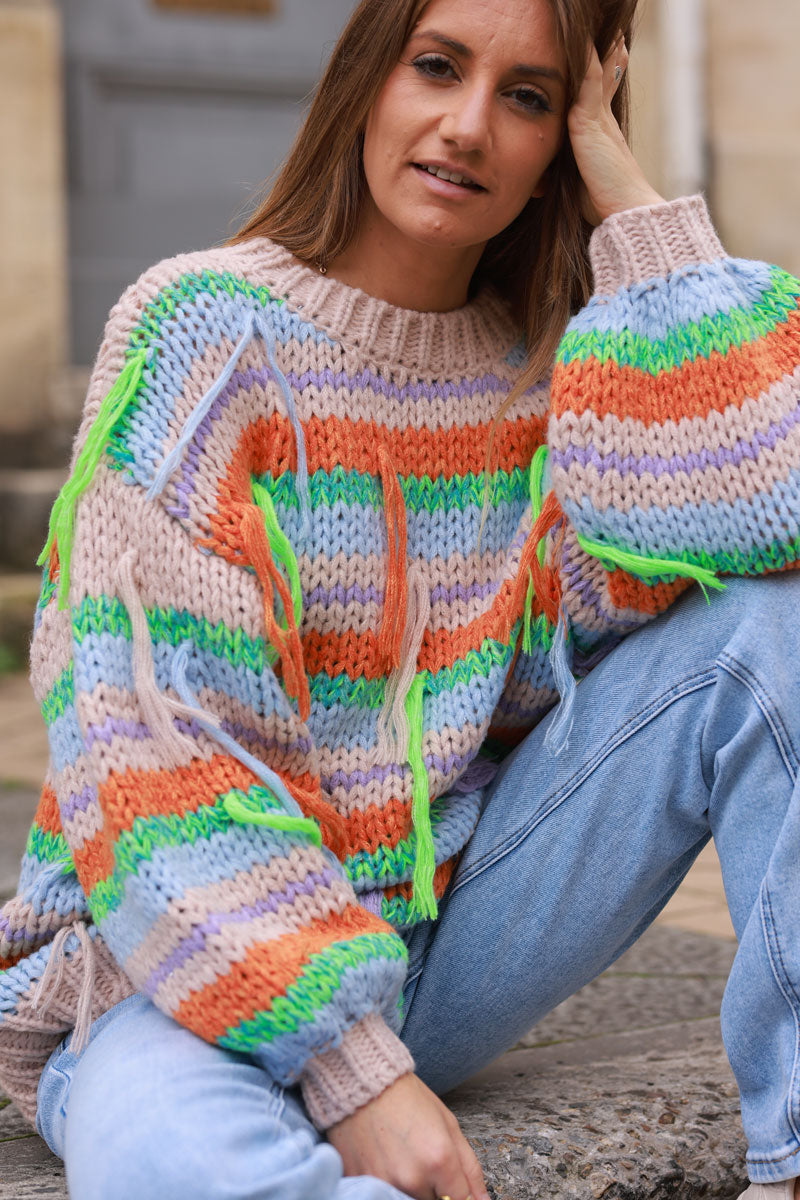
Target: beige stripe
[193, 908]
[233, 942]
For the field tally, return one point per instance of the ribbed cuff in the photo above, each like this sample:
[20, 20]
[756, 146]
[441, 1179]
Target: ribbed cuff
[368, 1060]
[631, 247]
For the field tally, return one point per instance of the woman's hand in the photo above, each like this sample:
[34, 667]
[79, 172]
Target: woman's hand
[612, 178]
[409, 1138]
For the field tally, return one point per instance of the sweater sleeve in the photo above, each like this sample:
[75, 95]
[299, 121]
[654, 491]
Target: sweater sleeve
[674, 437]
[187, 780]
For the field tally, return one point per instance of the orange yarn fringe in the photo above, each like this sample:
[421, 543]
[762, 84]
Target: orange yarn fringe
[286, 641]
[395, 601]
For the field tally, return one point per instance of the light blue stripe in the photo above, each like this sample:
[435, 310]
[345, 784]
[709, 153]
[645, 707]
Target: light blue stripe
[660, 307]
[105, 658]
[706, 528]
[173, 870]
[183, 341]
[65, 739]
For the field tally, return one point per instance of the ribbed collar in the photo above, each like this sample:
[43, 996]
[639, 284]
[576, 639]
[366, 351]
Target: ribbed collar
[477, 336]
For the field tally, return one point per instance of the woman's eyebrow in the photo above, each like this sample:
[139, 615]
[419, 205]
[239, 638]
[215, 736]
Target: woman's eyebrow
[523, 69]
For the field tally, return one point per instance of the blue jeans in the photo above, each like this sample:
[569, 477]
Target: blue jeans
[690, 728]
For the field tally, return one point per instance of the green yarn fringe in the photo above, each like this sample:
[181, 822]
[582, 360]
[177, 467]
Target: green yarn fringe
[536, 490]
[281, 547]
[649, 568]
[424, 902]
[244, 810]
[62, 518]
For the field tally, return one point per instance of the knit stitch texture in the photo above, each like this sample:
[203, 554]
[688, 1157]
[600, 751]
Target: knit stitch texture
[285, 619]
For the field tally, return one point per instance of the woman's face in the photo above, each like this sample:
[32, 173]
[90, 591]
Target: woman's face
[466, 125]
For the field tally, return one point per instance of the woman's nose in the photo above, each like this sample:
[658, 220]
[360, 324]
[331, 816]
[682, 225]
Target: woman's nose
[467, 121]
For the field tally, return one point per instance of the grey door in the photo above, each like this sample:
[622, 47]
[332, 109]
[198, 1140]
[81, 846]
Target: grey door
[173, 116]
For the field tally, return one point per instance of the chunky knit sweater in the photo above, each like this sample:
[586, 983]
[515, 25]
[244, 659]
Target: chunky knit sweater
[286, 619]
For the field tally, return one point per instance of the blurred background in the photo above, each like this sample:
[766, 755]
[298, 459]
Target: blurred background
[135, 129]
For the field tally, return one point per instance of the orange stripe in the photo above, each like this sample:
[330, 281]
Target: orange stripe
[626, 592]
[47, 816]
[696, 389]
[131, 794]
[443, 452]
[266, 972]
[267, 444]
[378, 825]
[356, 655]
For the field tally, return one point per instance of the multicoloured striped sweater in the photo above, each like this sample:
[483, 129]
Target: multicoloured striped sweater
[284, 615]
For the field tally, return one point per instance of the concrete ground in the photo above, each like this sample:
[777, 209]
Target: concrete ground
[622, 1092]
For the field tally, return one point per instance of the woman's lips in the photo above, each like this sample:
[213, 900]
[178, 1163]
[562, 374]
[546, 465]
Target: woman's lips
[459, 185]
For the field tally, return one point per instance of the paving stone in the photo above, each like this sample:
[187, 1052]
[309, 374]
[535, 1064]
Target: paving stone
[609, 1096]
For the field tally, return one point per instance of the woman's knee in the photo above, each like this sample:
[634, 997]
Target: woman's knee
[154, 1111]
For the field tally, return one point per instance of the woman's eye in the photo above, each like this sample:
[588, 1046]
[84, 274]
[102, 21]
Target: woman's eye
[531, 100]
[435, 66]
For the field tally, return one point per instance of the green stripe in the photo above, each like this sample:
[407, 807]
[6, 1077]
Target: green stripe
[313, 989]
[107, 614]
[60, 697]
[393, 863]
[48, 847]
[718, 333]
[160, 831]
[333, 690]
[424, 494]
[759, 561]
[49, 589]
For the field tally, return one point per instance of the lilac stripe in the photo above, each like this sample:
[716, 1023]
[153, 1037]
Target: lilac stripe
[657, 465]
[115, 727]
[195, 943]
[459, 592]
[453, 762]
[355, 779]
[449, 595]
[78, 802]
[349, 780]
[342, 595]
[386, 387]
[15, 935]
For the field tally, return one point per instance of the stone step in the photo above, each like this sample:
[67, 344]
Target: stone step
[622, 1092]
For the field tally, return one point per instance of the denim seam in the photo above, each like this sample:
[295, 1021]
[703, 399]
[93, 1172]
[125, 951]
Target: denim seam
[625, 731]
[789, 994]
[768, 710]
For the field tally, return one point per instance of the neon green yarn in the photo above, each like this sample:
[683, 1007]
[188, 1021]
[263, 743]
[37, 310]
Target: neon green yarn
[247, 812]
[535, 481]
[424, 902]
[280, 546]
[648, 568]
[62, 518]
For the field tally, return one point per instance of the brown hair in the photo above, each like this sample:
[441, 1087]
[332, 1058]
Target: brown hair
[539, 263]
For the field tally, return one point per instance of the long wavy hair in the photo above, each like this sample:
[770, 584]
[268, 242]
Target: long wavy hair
[539, 263]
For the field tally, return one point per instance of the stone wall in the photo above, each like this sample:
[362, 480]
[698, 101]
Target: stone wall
[748, 80]
[754, 127]
[32, 221]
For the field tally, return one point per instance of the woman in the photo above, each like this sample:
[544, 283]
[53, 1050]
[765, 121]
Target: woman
[315, 572]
